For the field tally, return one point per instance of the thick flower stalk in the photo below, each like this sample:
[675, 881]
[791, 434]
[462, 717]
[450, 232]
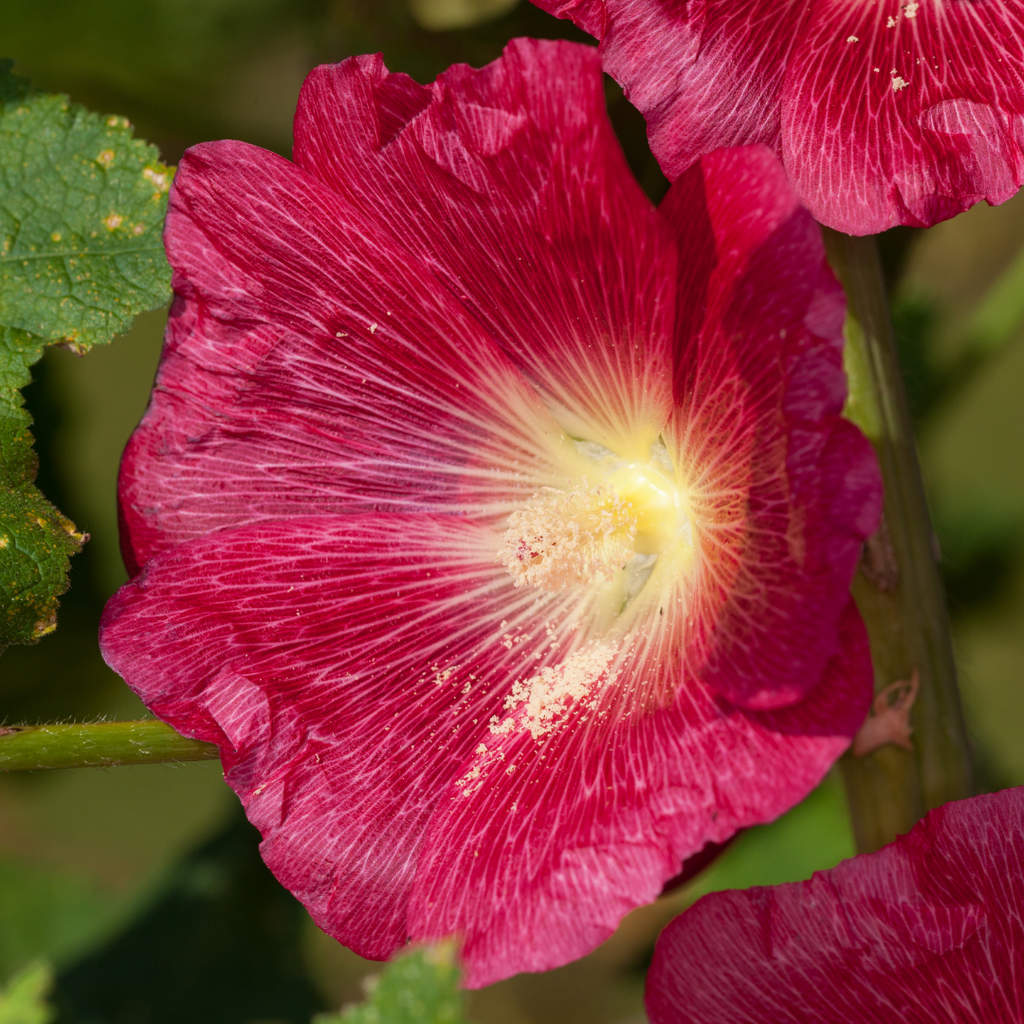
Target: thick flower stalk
[884, 112]
[497, 526]
[929, 930]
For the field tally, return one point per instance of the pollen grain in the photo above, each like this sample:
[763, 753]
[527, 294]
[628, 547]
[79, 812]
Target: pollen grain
[539, 704]
[565, 538]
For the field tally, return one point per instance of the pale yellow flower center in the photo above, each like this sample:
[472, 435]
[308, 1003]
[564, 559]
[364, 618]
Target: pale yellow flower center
[591, 532]
[564, 538]
[620, 532]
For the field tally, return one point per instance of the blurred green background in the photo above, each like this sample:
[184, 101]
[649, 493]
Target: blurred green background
[144, 883]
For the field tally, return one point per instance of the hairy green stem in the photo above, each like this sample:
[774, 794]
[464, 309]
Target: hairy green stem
[96, 745]
[898, 588]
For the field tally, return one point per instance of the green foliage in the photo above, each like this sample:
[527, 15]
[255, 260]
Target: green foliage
[421, 988]
[23, 1000]
[813, 836]
[980, 535]
[169, 62]
[218, 941]
[81, 206]
[80, 215]
[995, 324]
[46, 912]
[914, 322]
[980, 538]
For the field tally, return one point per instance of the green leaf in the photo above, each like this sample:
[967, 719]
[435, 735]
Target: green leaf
[23, 1000]
[421, 988]
[36, 542]
[81, 207]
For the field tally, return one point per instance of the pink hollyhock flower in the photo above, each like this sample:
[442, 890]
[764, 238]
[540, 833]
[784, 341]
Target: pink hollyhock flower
[888, 112]
[496, 525]
[929, 930]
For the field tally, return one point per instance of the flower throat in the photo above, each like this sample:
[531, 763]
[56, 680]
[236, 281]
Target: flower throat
[584, 534]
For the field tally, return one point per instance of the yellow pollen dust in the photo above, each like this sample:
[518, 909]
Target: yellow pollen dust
[565, 538]
[542, 701]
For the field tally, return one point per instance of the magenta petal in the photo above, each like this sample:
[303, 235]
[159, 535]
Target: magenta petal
[705, 74]
[784, 490]
[313, 365]
[346, 666]
[537, 864]
[369, 365]
[929, 930]
[509, 182]
[351, 669]
[905, 113]
[884, 113]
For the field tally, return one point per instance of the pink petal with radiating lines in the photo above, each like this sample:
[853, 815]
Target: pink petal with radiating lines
[313, 365]
[929, 930]
[917, 120]
[359, 383]
[783, 490]
[351, 669]
[704, 73]
[884, 113]
[509, 183]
